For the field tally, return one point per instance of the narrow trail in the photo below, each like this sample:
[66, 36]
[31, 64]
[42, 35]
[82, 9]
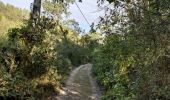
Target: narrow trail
[80, 85]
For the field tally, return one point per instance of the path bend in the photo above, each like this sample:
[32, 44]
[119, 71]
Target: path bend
[80, 85]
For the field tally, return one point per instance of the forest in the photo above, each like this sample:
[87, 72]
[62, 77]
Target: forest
[128, 51]
[10, 17]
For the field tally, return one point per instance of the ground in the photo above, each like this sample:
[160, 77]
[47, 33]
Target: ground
[80, 85]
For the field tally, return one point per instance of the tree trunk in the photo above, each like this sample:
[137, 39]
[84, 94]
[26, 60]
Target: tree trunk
[36, 9]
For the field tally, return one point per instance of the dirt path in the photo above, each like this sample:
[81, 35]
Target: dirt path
[80, 85]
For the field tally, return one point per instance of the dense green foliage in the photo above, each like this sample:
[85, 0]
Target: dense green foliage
[39, 55]
[133, 62]
[10, 17]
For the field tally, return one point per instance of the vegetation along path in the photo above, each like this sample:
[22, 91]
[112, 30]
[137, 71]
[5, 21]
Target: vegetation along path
[80, 85]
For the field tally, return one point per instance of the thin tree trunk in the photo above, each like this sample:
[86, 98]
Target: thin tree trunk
[36, 9]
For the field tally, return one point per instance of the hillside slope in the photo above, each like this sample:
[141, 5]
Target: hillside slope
[10, 17]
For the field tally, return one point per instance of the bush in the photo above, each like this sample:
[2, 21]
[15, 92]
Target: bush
[30, 63]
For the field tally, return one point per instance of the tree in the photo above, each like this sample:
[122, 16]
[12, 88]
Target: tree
[133, 61]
